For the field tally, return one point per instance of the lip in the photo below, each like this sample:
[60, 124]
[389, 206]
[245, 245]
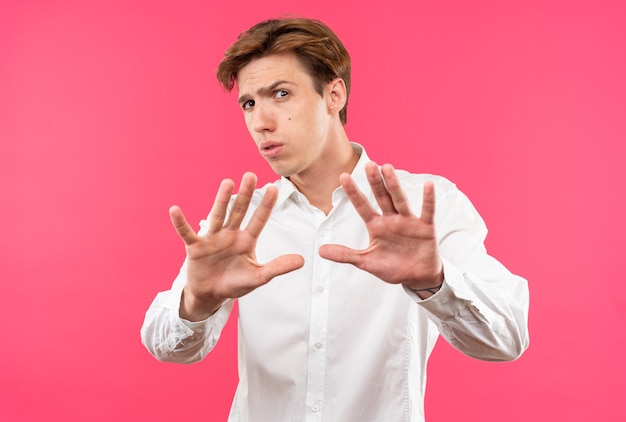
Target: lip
[270, 149]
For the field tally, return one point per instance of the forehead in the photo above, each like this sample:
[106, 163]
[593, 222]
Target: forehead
[264, 71]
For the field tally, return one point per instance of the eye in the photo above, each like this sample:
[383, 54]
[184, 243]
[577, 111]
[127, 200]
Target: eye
[247, 105]
[281, 93]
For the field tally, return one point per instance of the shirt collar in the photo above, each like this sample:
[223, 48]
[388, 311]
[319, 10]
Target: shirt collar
[286, 189]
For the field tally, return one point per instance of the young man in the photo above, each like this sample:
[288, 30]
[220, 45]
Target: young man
[343, 288]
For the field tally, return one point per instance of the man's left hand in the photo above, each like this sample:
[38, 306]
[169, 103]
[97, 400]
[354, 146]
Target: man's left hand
[403, 247]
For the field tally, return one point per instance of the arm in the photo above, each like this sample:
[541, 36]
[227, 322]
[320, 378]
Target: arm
[170, 338]
[184, 323]
[481, 309]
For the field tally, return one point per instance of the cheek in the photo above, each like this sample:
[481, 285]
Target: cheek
[248, 121]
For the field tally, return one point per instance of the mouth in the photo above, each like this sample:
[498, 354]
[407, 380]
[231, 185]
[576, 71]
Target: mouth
[270, 149]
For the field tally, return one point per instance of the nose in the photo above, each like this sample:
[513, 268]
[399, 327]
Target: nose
[262, 119]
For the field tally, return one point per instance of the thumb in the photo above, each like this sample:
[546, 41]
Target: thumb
[340, 253]
[281, 265]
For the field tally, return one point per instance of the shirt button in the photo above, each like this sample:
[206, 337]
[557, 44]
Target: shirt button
[323, 233]
[316, 407]
[318, 345]
[320, 289]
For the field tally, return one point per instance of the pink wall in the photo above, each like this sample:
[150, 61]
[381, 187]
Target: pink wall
[109, 113]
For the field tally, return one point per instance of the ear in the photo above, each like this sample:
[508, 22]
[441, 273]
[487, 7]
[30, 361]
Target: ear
[337, 95]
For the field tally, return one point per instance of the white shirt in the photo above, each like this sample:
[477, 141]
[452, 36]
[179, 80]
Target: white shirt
[330, 342]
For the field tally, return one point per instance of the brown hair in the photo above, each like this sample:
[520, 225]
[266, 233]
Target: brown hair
[314, 44]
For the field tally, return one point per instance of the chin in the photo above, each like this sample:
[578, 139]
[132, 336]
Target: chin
[282, 172]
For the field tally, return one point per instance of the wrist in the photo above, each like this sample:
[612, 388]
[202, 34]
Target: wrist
[426, 292]
[196, 309]
[427, 288]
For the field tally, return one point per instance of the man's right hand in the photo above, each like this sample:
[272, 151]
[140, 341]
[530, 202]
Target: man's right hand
[221, 264]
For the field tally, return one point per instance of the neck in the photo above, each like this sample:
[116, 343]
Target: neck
[318, 184]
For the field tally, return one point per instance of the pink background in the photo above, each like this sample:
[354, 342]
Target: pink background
[109, 113]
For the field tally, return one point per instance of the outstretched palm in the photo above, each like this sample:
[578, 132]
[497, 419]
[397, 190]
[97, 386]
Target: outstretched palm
[221, 263]
[403, 247]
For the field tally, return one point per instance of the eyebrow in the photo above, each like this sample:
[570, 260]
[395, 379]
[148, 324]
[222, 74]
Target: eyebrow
[263, 91]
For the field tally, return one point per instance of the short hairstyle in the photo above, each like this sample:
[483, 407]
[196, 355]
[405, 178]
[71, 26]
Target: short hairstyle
[313, 43]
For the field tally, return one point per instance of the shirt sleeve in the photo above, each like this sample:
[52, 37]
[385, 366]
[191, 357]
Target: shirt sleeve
[482, 308]
[170, 338]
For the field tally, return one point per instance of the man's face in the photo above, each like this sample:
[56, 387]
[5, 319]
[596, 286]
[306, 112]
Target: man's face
[288, 119]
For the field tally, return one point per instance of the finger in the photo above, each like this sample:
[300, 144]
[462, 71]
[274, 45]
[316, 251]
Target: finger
[220, 206]
[379, 189]
[359, 201]
[262, 213]
[428, 203]
[181, 226]
[242, 200]
[395, 191]
[281, 265]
